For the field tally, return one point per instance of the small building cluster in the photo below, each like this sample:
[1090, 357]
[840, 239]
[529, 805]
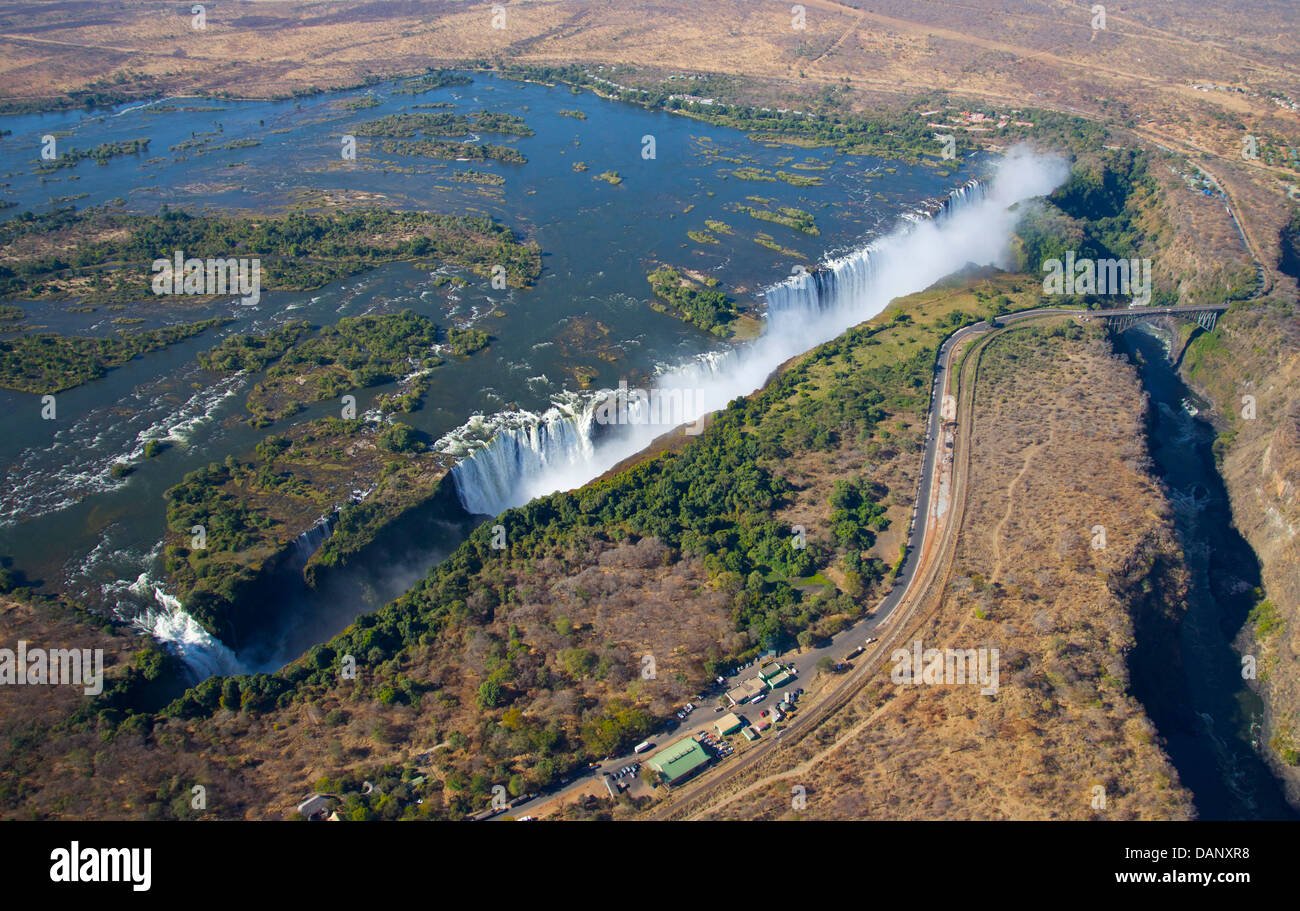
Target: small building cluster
[770, 676]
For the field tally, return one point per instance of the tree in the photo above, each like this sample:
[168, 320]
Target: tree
[399, 438]
[578, 662]
[489, 693]
[853, 585]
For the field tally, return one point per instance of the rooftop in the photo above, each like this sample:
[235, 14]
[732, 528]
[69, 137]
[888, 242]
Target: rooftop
[679, 760]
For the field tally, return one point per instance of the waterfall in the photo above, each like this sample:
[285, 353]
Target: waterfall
[848, 281]
[503, 454]
[203, 653]
[512, 457]
[307, 543]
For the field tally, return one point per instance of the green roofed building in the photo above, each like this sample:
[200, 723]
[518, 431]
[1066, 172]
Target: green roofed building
[680, 761]
[779, 680]
[729, 723]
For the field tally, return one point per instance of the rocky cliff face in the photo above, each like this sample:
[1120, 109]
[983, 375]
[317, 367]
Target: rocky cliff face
[1250, 369]
[1262, 473]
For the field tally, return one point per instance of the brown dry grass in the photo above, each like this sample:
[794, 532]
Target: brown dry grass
[1063, 721]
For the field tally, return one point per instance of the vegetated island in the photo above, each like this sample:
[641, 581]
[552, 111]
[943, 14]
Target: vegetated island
[399, 134]
[101, 154]
[106, 256]
[304, 366]
[429, 81]
[695, 299]
[47, 363]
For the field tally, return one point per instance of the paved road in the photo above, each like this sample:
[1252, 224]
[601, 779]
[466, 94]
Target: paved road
[920, 543]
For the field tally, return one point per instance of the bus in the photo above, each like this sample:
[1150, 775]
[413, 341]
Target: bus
[642, 746]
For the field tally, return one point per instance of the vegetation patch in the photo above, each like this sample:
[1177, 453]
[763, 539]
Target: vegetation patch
[479, 177]
[445, 124]
[108, 257]
[101, 154]
[355, 353]
[251, 510]
[767, 241]
[699, 304]
[788, 216]
[437, 79]
[46, 363]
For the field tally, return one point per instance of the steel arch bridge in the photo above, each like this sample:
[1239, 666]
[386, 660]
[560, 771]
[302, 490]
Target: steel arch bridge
[1204, 315]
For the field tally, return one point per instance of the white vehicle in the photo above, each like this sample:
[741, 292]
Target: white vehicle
[642, 746]
[757, 699]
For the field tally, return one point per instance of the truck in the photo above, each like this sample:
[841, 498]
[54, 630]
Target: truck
[642, 746]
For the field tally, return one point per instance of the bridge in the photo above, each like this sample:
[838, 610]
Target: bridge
[1122, 318]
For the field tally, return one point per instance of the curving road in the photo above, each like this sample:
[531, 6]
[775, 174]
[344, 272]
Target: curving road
[931, 536]
[930, 543]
